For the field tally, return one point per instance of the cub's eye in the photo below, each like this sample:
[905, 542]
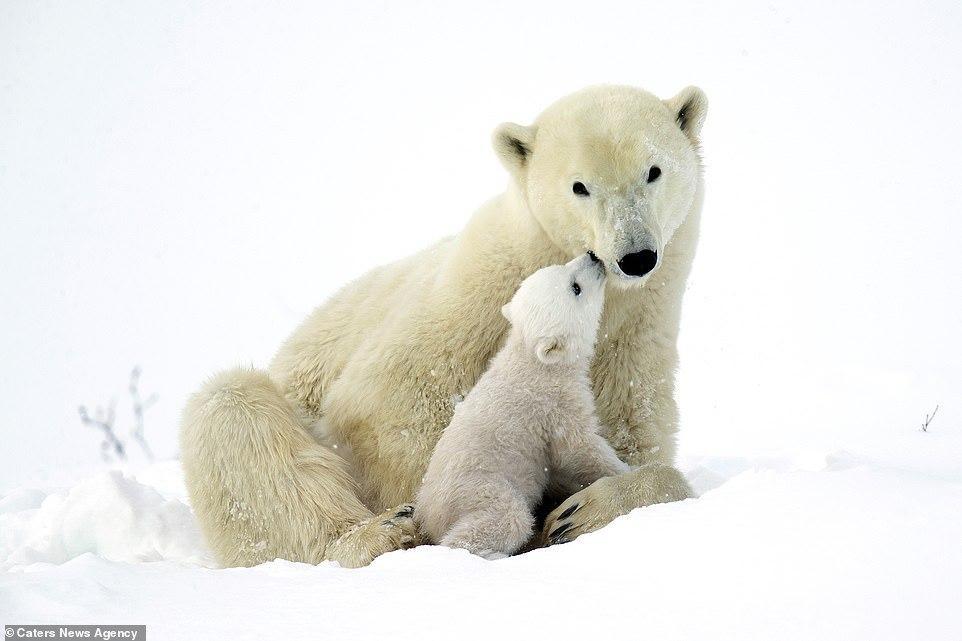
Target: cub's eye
[576, 288]
[653, 174]
[580, 189]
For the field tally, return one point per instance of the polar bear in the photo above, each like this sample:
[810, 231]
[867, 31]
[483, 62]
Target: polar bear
[377, 370]
[529, 419]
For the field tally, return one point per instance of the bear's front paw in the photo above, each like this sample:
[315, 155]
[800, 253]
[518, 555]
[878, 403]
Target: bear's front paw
[585, 511]
[608, 498]
[390, 530]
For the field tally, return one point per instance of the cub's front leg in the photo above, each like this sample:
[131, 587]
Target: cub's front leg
[580, 459]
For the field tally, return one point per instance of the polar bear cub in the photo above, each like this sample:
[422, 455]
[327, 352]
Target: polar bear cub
[528, 423]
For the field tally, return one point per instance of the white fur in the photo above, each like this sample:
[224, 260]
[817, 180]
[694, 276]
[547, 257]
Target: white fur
[383, 362]
[530, 418]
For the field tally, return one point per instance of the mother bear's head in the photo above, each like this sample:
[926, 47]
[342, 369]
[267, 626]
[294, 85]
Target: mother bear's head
[610, 169]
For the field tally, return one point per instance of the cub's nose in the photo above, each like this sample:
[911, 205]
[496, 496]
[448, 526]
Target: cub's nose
[638, 263]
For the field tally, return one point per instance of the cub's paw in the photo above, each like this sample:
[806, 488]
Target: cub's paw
[390, 530]
[608, 498]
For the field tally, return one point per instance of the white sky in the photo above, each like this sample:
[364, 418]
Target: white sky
[180, 183]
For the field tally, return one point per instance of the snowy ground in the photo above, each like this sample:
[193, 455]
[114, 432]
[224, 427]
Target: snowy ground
[846, 545]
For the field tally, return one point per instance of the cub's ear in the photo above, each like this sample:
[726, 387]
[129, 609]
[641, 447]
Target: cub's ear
[506, 310]
[549, 349]
[514, 145]
[690, 107]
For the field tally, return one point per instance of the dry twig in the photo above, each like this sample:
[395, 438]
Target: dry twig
[112, 446]
[139, 407]
[928, 419]
[104, 421]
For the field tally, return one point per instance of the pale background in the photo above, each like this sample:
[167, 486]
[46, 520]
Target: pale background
[181, 183]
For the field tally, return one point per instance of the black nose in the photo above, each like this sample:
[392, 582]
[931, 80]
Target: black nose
[592, 256]
[638, 263]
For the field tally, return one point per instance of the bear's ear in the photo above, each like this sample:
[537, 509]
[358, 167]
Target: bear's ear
[549, 349]
[690, 107]
[514, 145]
[506, 310]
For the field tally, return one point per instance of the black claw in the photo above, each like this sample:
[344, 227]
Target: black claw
[560, 530]
[569, 511]
[407, 510]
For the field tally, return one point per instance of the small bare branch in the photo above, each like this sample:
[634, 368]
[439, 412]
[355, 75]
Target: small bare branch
[928, 419]
[113, 447]
[140, 406]
[104, 421]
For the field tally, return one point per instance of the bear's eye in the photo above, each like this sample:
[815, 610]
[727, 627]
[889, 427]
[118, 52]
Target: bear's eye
[580, 189]
[653, 174]
[576, 288]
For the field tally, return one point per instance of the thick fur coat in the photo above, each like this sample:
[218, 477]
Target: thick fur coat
[528, 421]
[377, 370]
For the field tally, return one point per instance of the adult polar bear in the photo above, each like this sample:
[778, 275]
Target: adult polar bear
[377, 369]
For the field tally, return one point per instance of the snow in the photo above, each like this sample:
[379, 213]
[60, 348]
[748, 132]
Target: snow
[838, 545]
[110, 515]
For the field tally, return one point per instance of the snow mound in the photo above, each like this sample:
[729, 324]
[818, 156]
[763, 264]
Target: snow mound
[810, 545]
[109, 515]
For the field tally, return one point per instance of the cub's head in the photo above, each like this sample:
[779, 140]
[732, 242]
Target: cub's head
[557, 309]
[610, 169]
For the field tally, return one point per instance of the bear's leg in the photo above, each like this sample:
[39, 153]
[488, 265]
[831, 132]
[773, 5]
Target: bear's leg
[608, 498]
[262, 488]
[493, 532]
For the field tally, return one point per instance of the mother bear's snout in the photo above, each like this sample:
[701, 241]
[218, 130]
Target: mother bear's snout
[638, 263]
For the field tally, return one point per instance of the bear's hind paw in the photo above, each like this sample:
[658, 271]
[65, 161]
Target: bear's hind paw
[390, 530]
